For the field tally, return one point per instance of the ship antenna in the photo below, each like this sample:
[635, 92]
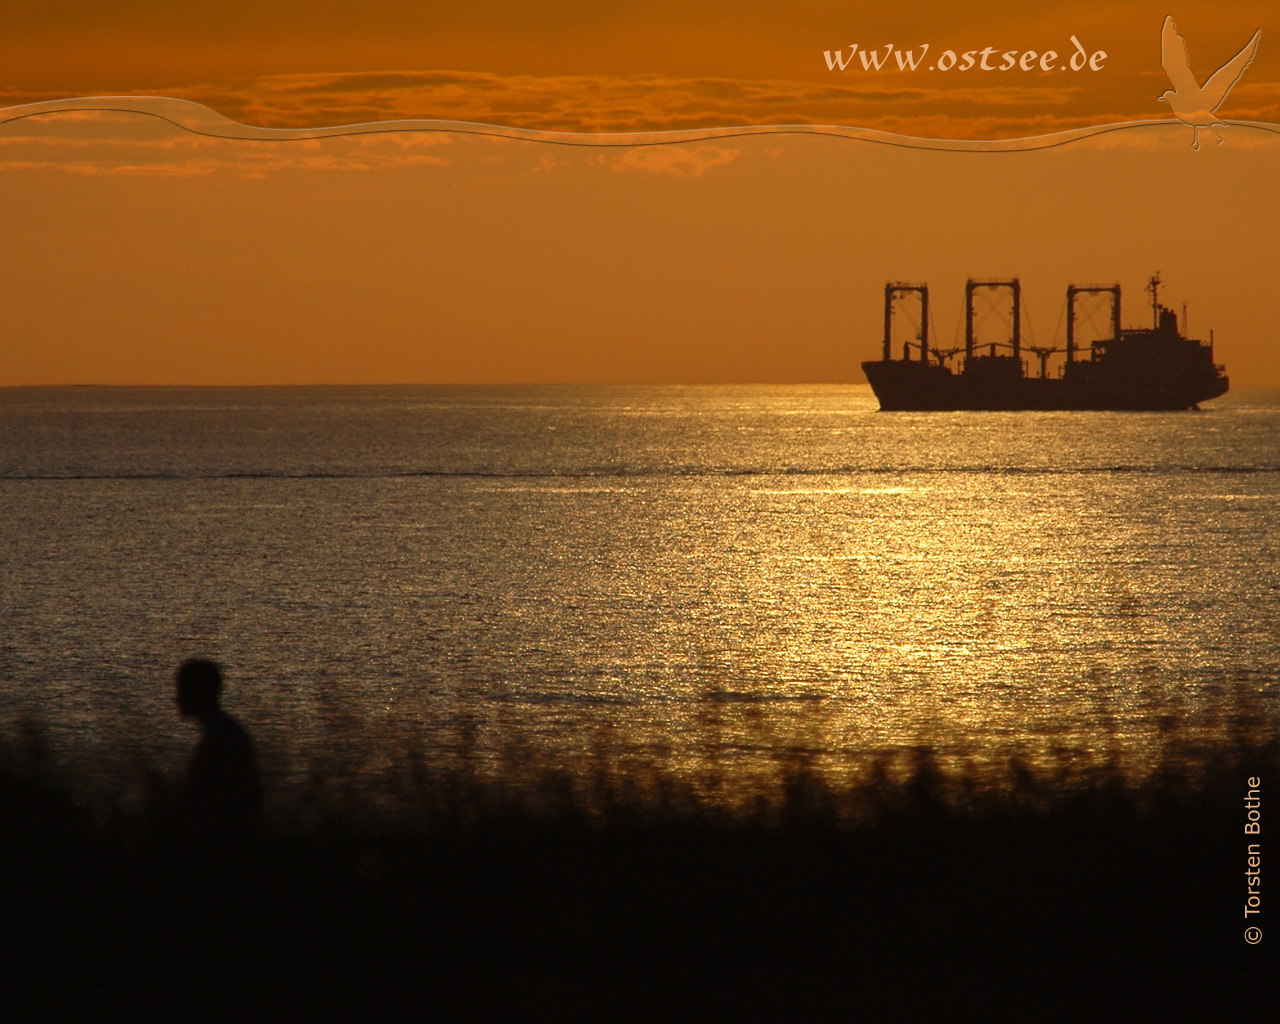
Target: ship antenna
[1153, 289]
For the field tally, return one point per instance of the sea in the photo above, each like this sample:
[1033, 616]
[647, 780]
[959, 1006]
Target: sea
[701, 590]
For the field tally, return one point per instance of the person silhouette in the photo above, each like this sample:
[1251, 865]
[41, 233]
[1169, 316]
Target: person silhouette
[222, 798]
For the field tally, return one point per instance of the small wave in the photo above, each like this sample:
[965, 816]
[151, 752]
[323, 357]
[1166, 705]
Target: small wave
[650, 473]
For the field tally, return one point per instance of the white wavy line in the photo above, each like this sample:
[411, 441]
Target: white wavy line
[201, 120]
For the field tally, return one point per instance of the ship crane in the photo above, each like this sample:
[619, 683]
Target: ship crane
[1091, 289]
[1043, 354]
[1014, 288]
[943, 354]
[892, 291]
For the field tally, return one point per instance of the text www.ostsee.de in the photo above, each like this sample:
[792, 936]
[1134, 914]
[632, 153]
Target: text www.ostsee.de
[989, 58]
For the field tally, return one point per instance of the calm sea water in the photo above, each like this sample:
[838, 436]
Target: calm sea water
[707, 584]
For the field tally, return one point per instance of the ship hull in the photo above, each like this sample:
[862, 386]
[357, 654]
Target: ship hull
[902, 385]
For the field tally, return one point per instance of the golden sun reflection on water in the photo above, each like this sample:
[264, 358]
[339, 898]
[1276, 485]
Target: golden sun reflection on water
[819, 629]
[406, 593]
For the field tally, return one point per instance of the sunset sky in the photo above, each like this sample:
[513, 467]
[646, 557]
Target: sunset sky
[135, 252]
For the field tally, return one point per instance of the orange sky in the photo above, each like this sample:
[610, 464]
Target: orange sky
[135, 253]
[626, 64]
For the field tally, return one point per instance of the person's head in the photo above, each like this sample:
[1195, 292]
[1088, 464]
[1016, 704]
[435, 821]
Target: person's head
[199, 682]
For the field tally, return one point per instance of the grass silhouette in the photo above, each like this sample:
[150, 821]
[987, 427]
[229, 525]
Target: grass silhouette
[503, 894]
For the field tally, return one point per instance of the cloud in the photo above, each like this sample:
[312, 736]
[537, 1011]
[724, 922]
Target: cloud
[683, 161]
[108, 143]
[102, 143]
[648, 103]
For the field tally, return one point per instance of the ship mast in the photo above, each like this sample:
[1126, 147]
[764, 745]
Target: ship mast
[1153, 289]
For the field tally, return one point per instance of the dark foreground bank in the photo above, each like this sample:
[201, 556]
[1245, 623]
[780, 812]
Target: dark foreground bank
[654, 904]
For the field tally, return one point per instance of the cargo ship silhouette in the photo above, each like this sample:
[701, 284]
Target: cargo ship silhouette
[1145, 368]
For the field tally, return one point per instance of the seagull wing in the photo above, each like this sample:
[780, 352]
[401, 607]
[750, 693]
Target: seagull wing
[1174, 60]
[1221, 81]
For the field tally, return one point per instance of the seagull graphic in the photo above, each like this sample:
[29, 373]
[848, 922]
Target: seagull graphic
[1192, 103]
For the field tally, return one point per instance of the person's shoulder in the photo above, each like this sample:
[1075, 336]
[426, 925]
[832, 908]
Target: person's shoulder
[226, 729]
